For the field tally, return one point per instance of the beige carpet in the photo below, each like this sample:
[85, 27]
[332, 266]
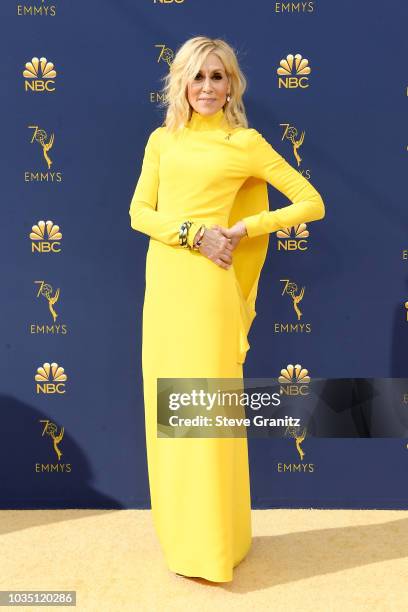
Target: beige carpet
[300, 560]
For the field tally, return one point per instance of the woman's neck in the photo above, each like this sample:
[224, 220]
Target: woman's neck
[206, 122]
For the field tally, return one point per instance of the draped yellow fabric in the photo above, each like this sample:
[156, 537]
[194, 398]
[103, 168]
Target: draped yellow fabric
[220, 177]
[196, 319]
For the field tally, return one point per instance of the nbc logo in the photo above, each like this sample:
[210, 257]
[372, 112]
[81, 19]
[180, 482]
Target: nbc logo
[293, 241]
[39, 75]
[292, 72]
[50, 379]
[45, 237]
[294, 380]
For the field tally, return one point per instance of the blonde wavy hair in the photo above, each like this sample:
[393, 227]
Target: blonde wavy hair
[186, 64]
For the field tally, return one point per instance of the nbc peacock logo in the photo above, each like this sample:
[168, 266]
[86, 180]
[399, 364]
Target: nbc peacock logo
[50, 379]
[293, 238]
[45, 237]
[293, 72]
[39, 75]
[294, 380]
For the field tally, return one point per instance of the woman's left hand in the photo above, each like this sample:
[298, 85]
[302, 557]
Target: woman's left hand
[234, 233]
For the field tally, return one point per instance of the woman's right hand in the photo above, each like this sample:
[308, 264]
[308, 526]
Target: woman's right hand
[217, 247]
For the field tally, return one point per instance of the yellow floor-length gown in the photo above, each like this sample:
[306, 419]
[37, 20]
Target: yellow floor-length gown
[196, 318]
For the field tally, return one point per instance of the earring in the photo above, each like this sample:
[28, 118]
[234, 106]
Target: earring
[228, 98]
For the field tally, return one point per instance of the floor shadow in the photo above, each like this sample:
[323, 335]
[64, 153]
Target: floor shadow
[276, 560]
[18, 520]
[42, 466]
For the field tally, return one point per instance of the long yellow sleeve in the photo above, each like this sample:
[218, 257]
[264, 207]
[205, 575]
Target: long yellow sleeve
[143, 214]
[307, 204]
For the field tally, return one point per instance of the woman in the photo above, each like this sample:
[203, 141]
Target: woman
[202, 198]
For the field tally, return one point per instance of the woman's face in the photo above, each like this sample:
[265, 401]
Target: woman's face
[207, 92]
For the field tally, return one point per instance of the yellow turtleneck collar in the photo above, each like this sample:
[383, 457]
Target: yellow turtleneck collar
[206, 122]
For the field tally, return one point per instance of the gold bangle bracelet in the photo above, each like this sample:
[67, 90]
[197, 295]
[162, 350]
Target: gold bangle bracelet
[183, 234]
[201, 231]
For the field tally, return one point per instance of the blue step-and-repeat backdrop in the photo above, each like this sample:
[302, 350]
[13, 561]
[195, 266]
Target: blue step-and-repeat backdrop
[80, 95]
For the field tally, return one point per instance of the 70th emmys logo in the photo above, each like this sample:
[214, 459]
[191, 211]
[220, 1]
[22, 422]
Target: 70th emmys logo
[292, 72]
[291, 134]
[166, 55]
[50, 431]
[41, 136]
[291, 289]
[45, 290]
[45, 237]
[51, 297]
[298, 434]
[296, 295]
[39, 75]
[50, 379]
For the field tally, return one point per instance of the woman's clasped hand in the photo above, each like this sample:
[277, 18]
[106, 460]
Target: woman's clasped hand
[219, 242]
